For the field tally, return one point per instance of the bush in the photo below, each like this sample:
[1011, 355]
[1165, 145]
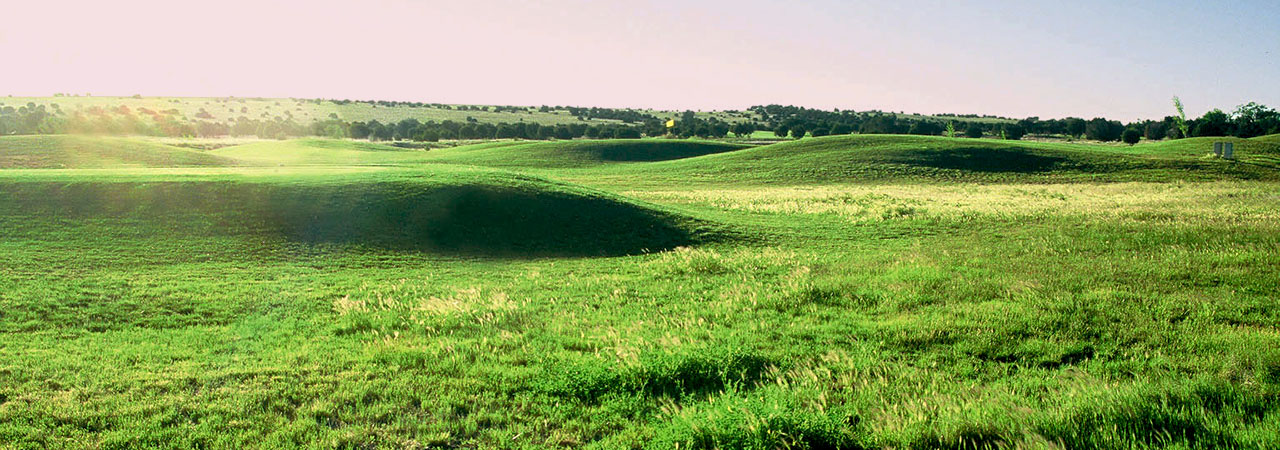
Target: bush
[1131, 136]
[1014, 132]
[973, 131]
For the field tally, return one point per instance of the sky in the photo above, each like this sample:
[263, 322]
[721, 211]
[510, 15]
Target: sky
[1121, 60]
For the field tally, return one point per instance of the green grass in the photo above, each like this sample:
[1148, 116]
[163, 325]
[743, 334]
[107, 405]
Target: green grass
[883, 158]
[861, 292]
[302, 152]
[83, 152]
[578, 153]
[446, 208]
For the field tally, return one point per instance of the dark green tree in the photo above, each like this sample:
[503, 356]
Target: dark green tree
[1014, 131]
[1099, 129]
[1075, 126]
[1131, 136]
[1213, 123]
[798, 131]
[973, 130]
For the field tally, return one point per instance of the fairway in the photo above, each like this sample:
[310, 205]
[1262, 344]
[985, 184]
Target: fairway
[838, 292]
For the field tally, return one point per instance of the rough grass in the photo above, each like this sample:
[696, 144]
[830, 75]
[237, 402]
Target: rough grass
[881, 158]
[84, 152]
[993, 309]
[444, 209]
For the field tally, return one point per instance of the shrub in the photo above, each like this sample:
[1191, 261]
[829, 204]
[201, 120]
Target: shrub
[973, 131]
[1014, 132]
[1131, 136]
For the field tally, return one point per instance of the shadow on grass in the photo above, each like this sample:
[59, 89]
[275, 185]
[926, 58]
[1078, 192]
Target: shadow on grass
[977, 159]
[655, 151]
[472, 219]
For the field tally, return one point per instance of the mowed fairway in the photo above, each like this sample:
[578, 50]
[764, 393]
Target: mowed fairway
[839, 292]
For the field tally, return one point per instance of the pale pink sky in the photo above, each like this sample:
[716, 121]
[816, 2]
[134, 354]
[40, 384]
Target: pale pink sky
[1050, 59]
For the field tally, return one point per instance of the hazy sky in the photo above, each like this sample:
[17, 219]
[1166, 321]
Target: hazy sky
[1015, 58]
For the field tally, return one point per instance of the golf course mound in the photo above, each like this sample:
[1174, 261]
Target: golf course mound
[319, 152]
[858, 158]
[95, 152]
[567, 154]
[451, 209]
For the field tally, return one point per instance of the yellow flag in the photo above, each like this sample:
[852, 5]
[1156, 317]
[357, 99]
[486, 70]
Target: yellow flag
[671, 123]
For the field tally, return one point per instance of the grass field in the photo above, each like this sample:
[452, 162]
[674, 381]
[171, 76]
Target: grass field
[839, 292]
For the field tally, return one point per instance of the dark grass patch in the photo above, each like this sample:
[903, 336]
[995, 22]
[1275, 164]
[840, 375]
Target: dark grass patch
[695, 373]
[481, 216]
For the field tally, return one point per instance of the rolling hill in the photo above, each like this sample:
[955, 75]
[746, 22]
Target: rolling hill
[564, 154]
[91, 152]
[856, 158]
[319, 152]
[440, 209]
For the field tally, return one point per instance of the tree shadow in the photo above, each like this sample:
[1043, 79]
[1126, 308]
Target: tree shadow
[640, 151]
[481, 219]
[980, 159]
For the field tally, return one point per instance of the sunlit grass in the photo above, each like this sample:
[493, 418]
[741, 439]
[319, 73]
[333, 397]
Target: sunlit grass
[900, 313]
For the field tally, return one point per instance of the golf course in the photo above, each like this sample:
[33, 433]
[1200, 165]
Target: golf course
[848, 291]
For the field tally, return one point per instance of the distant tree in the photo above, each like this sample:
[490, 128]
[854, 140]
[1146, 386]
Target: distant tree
[1155, 131]
[357, 130]
[718, 129]
[1180, 120]
[1075, 126]
[335, 131]
[951, 129]
[428, 134]
[627, 133]
[1253, 120]
[1100, 129]
[841, 128]
[925, 128]
[1014, 131]
[798, 131]
[1213, 123]
[781, 131]
[1131, 136]
[381, 132]
[404, 128]
[880, 124]
[973, 130]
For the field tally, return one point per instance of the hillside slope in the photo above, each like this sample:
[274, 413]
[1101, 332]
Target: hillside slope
[93, 152]
[584, 153]
[439, 208]
[922, 158]
[319, 152]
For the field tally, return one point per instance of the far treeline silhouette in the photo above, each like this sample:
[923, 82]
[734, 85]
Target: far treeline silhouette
[1248, 120]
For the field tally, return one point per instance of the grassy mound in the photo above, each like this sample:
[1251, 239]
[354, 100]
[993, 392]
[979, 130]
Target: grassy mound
[888, 157]
[92, 152]
[451, 209]
[564, 154]
[319, 152]
[1271, 141]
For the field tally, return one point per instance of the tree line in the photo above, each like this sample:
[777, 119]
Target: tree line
[1248, 120]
